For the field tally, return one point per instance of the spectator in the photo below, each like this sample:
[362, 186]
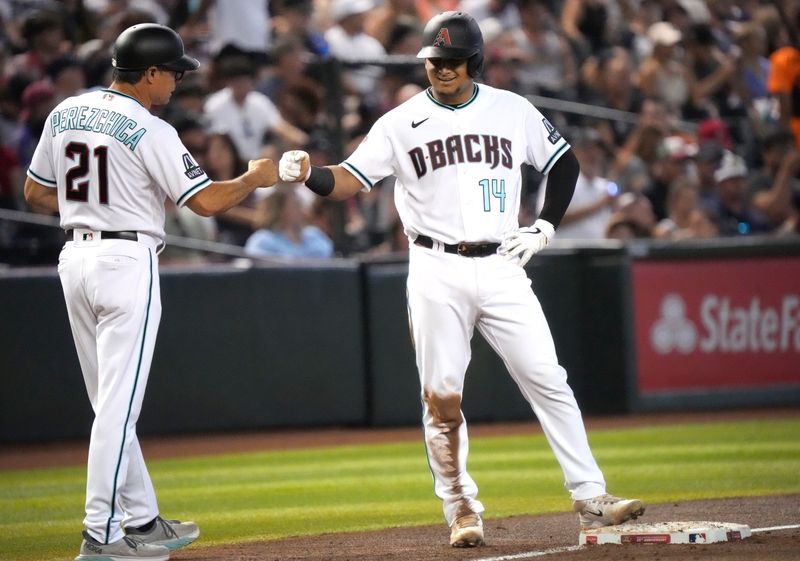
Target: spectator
[784, 83]
[685, 219]
[675, 154]
[591, 25]
[640, 151]
[730, 210]
[548, 65]
[609, 79]
[223, 162]
[294, 18]
[591, 206]
[43, 32]
[348, 41]
[288, 67]
[633, 219]
[771, 188]
[38, 100]
[753, 67]
[285, 231]
[244, 113]
[240, 27]
[68, 77]
[709, 156]
[661, 74]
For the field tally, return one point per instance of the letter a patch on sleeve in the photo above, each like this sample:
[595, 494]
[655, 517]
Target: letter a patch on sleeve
[552, 134]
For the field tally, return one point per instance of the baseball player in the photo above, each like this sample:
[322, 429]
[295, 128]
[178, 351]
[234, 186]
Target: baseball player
[107, 164]
[456, 151]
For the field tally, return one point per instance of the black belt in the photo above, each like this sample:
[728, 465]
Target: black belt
[465, 249]
[123, 235]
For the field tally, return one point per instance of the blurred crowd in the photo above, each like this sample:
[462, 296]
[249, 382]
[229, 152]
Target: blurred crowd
[698, 135]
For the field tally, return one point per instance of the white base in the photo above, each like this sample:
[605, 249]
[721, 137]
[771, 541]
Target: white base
[666, 533]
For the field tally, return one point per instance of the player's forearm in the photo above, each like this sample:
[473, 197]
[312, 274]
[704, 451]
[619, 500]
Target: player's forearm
[40, 198]
[346, 184]
[560, 187]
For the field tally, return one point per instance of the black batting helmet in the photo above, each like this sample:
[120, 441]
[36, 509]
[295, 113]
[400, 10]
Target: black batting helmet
[149, 44]
[454, 35]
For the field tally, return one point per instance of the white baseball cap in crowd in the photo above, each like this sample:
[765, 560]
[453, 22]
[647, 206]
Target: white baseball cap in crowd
[732, 165]
[341, 9]
[664, 33]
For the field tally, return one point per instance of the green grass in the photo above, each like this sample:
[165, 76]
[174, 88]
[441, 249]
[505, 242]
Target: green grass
[257, 496]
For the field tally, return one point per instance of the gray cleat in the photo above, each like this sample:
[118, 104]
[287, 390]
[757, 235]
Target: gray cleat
[125, 549]
[172, 534]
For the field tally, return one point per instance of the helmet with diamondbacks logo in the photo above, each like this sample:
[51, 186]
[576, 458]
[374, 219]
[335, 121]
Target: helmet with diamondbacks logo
[454, 35]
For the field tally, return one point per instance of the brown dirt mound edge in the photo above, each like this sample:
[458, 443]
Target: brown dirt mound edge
[515, 536]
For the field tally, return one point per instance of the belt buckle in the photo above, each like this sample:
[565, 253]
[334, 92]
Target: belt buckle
[463, 248]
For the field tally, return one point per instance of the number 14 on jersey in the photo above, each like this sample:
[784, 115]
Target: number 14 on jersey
[496, 189]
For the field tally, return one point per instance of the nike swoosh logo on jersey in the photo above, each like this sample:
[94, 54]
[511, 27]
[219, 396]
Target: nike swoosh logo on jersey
[415, 125]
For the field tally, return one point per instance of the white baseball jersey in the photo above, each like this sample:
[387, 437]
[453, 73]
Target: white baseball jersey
[458, 168]
[458, 180]
[114, 163]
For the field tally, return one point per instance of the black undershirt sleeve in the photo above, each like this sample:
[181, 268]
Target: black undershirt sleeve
[560, 187]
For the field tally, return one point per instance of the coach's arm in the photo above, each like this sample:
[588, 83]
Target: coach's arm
[222, 195]
[41, 198]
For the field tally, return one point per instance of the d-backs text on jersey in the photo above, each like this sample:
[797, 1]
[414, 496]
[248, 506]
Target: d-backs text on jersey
[110, 123]
[458, 148]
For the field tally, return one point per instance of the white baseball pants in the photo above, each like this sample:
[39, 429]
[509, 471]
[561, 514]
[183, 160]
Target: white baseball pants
[448, 296]
[112, 292]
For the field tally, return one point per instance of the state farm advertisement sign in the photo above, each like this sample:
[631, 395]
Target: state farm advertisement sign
[731, 324]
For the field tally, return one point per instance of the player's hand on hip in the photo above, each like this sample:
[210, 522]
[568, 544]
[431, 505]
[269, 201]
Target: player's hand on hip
[263, 172]
[295, 166]
[523, 243]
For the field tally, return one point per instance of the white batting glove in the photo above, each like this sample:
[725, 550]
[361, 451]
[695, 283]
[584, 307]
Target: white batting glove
[290, 166]
[523, 243]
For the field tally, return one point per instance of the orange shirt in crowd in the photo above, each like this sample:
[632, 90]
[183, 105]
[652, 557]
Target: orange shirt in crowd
[784, 78]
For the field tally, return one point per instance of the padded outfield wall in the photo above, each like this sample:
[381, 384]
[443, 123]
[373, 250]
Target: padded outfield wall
[643, 327]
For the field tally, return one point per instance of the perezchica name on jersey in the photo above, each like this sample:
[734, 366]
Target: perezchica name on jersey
[457, 148]
[110, 123]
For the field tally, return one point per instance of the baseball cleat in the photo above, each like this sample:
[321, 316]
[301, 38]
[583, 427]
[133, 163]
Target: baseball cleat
[171, 534]
[607, 510]
[125, 549]
[467, 531]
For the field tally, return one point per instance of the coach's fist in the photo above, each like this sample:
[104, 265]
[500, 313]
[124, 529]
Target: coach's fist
[525, 242]
[262, 173]
[295, 166]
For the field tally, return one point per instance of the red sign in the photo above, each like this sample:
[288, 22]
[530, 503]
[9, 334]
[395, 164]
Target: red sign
[714, 324]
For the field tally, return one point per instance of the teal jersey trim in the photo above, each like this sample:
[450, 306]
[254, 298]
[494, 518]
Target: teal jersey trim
[364, 179]
[554, 157]
[130, 402]
[429, 93]
[40, 179]
[192, 190]
[117, 92]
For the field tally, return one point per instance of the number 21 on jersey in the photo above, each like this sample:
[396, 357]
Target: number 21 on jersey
[77, 176]
[496, 189]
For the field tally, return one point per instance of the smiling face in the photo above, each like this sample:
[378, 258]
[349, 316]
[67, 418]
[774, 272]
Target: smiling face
[449, 79]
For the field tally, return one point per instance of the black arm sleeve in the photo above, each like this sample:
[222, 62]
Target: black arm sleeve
[560, 187]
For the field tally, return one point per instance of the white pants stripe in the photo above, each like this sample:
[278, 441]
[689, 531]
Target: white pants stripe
[450, 295]
[113, 301]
